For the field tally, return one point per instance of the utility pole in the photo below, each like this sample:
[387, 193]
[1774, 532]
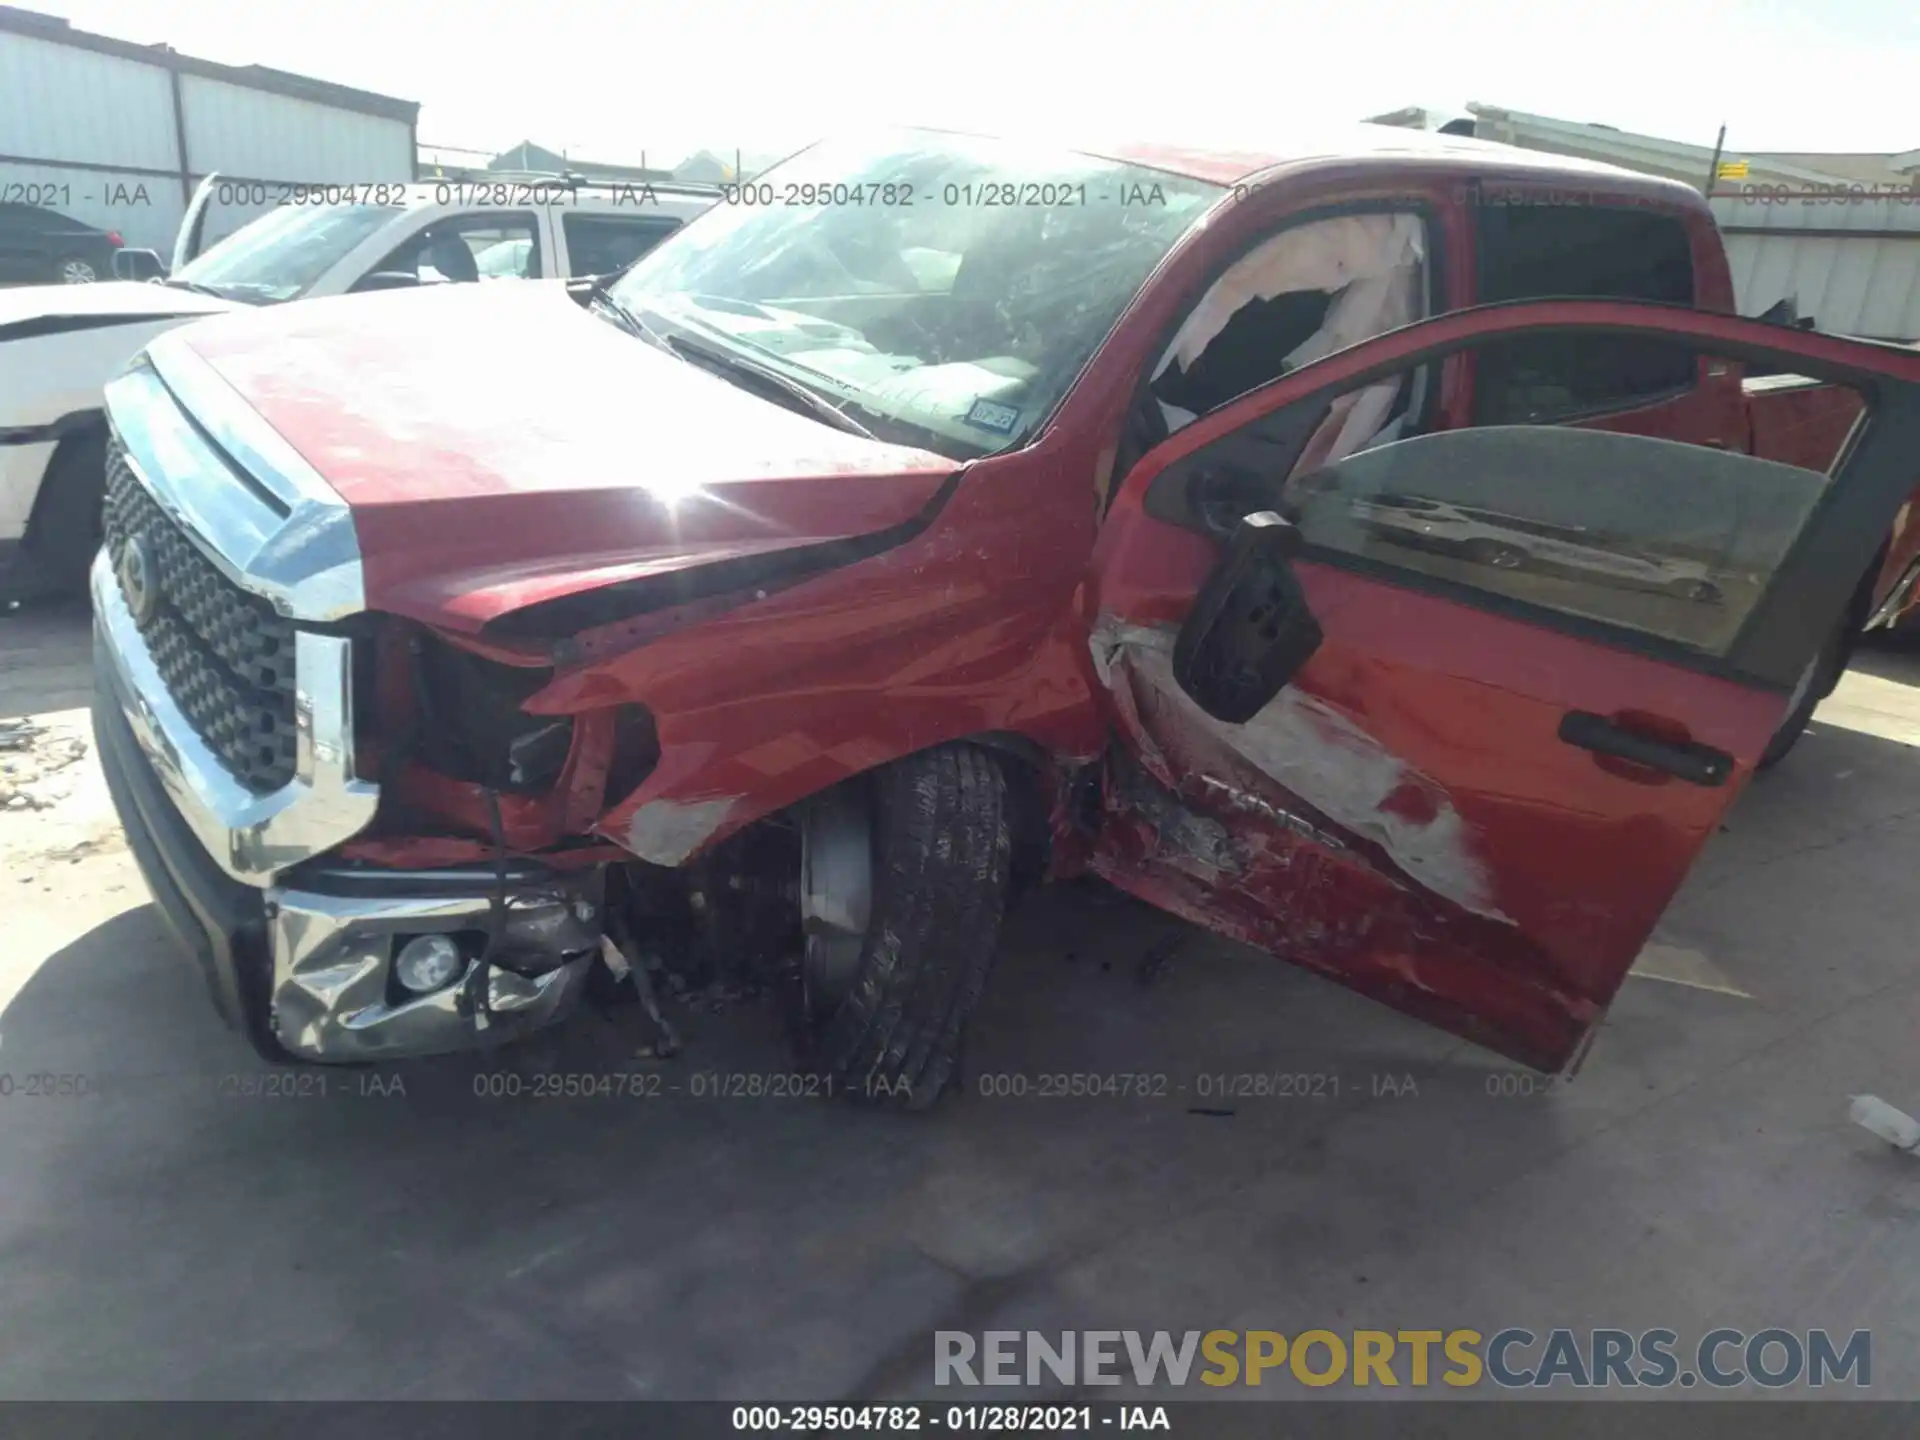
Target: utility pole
[1713, 170]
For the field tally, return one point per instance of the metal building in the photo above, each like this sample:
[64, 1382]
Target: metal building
[1839, 234]
[117, 135]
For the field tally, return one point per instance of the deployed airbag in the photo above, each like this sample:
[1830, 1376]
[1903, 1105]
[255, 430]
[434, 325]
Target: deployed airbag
[1373, 258]
[1370, 264]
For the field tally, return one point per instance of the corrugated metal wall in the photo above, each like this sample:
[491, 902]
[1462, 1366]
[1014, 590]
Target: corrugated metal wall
[93, 135]
[1853, 263]
[64, 103]
[238, 131]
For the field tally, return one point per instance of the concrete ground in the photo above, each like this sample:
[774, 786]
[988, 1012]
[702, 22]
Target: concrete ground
[170, 1235]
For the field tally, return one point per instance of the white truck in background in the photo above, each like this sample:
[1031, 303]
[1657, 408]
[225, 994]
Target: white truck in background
[60, 344]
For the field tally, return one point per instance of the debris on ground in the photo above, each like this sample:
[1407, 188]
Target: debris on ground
[73, 854]
[33, 753]
[1892, 1125]
[625, 963]
[19, 734]
[54, 812]
[717, 997]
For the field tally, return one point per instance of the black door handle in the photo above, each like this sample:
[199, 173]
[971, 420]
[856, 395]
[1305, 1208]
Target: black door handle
[1697, 764]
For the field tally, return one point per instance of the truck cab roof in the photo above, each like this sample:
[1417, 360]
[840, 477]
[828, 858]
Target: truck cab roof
[1241, 163]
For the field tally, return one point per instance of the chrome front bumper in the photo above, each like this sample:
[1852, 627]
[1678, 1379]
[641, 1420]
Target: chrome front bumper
[333, 995]
[302, 967]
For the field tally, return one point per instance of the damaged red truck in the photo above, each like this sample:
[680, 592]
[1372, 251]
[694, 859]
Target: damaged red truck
[1389, 555]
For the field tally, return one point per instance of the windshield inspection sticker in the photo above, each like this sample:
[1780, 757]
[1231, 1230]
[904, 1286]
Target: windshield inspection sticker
[992, 415]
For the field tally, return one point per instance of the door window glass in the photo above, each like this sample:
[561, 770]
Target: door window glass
[606, 244]
[1532, 251]
[1655, 536]
[466, 248]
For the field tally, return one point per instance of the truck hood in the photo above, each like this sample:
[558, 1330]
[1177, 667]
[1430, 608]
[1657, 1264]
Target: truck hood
[499, 446]
[40, 309]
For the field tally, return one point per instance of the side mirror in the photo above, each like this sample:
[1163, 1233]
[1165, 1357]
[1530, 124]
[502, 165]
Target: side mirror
[1250, 629]
[385, 280]
[137, 264]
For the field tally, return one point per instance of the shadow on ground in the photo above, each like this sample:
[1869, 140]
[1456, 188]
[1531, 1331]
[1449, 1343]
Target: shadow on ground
[426, 1231]
[45, 660]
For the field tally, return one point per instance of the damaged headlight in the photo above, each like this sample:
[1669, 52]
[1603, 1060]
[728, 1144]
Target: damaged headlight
[470, 724]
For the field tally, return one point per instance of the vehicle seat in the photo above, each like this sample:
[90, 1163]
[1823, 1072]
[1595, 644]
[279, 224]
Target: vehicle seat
[990, 274]
[450, 256]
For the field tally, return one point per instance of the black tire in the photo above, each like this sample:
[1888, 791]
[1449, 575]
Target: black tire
[942, 848]
[75, 270]
[1822, 676]
[66, 527]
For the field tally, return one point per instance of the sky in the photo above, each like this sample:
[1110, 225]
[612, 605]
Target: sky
[610, 81]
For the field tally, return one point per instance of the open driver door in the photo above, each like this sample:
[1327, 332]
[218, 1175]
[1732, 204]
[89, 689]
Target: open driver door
[1449, 718]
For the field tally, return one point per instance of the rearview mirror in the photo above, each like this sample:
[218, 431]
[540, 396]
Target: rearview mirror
[386, 280]
[1250, 629]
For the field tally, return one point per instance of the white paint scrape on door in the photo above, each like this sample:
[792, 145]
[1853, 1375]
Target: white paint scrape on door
[1319, 754]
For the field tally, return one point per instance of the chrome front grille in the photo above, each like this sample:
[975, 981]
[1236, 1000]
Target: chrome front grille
[225, 656]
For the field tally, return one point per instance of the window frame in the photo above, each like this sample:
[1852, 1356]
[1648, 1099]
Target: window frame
[462, 221]
[1484, 596]
[1432, 265]
[1625, 405]
[1432, 231]
[1751, 658]
[666, 225]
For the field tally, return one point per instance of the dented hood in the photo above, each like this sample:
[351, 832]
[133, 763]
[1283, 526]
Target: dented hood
[500, 446]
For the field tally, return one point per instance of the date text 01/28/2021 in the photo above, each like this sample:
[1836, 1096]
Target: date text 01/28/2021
[991, 195]
[1026, 1419]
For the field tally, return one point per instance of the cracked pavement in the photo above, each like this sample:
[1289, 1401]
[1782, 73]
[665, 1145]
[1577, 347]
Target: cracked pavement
[173, 1233]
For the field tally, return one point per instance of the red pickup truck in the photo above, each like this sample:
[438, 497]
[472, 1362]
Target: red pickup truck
[1392, 554]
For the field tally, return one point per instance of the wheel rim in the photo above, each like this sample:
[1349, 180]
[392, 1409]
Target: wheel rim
[836, 894]
[77, 272]
[1495, 554]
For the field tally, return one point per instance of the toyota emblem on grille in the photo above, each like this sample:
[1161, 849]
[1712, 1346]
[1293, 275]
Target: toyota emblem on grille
[139, 579]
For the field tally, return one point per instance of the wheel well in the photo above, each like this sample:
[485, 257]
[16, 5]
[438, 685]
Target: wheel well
[1859, 611]
[1026, 765]
[76, 433]
[64, 527]
[1860, 607]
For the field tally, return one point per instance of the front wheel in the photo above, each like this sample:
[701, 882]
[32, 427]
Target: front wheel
[904, 880]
